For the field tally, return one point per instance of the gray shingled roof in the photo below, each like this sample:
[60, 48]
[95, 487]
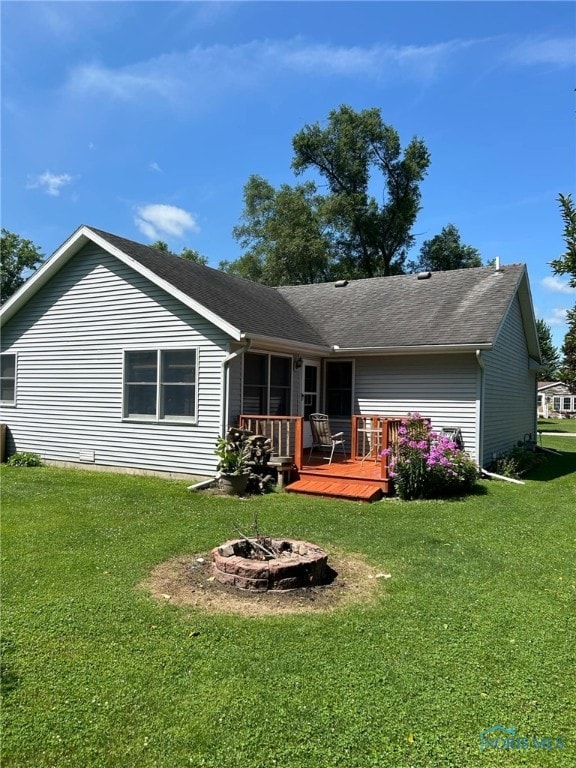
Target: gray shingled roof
[458, 307]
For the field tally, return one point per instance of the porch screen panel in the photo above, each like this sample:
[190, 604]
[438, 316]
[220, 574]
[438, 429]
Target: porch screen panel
[280, 374]
[339, 389]
[255, 383]
[141, 383]
[179, 383]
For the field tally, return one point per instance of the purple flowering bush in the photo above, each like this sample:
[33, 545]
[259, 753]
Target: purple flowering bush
[428, 465]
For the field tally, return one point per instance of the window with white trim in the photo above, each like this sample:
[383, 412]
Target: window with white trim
[8, 379]
[267, 384]
[160, 384]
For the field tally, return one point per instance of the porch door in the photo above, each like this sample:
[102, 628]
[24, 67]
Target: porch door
[310, 399]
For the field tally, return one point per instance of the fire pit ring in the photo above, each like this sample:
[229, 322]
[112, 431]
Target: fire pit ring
[262, 565]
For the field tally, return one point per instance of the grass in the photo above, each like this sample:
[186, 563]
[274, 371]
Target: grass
[475, 628]
[557, 425]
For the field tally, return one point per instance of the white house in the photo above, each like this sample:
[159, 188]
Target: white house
[119, 355]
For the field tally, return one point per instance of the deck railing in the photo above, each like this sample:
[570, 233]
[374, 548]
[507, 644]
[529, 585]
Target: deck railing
[285, 433]
[371, 435]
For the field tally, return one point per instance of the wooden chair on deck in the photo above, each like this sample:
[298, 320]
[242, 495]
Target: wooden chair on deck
[322, 436]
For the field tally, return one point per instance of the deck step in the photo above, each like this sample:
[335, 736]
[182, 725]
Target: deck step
[358, 490]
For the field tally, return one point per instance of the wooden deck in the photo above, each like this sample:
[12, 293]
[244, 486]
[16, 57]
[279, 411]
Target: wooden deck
[363, 477]
[351, 479]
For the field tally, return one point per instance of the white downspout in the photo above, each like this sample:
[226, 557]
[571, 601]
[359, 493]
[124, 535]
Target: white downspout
[225, 375]
[480, 439]
[224, 407]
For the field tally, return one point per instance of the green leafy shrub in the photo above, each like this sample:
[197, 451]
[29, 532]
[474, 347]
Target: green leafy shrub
[24, 459]
[518, 461]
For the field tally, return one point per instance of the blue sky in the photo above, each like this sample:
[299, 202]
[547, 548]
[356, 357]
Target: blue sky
[147, 118]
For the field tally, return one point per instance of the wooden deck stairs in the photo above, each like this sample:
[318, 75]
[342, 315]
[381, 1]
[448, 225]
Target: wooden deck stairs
[351, 479]
[341, 488]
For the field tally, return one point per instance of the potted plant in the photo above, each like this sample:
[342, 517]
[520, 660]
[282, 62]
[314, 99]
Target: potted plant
[234, 454]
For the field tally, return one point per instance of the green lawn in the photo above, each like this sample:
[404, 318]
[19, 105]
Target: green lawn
[557, 425]
[475, 628]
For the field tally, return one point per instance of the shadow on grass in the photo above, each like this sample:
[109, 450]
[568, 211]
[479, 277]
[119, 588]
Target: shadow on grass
[477, 490]
[9, 680]
[556, 465]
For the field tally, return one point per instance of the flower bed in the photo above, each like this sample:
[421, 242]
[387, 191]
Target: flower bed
[428, 465]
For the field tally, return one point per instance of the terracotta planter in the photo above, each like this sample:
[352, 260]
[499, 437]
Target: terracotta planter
[233, 485]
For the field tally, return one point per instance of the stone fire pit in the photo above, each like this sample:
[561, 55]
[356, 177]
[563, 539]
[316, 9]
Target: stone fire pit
[263, 564]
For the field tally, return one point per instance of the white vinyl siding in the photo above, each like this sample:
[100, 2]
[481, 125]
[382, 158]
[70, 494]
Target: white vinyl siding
[70, 339]
[510, 389]
[445, 388]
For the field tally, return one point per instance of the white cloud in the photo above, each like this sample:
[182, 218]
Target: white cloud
[182, 77]
[556, 285]
[157, 220]
[153, 165]
[556, 51]
[557, 317]
[51, 183]
[125, 84]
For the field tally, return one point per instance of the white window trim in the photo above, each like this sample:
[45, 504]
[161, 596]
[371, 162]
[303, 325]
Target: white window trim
[172, 420]
[12, 403]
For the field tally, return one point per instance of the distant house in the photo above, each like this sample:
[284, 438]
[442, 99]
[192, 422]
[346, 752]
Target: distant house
[555, 400]
[119, 355]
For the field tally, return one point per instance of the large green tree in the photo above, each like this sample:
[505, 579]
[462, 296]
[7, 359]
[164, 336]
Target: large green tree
[446, 251]
[283, 235]
[18, 257]
[549, 353]
[373, 194]
[566, 265]
[360, 225]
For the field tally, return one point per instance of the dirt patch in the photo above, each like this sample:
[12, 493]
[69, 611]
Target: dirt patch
[187, 580]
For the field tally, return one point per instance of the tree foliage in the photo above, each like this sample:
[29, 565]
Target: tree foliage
[297, 234]
[186, 253]
[568, 368]
[282, 234]
[549, 353]
[17, 257]
[566, 265]
[446, 251]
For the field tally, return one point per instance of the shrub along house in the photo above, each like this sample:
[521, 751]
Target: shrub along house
[118, 355]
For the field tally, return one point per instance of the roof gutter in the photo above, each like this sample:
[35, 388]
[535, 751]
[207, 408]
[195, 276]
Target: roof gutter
[288, 345]
[225, 382]
[422, 349]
